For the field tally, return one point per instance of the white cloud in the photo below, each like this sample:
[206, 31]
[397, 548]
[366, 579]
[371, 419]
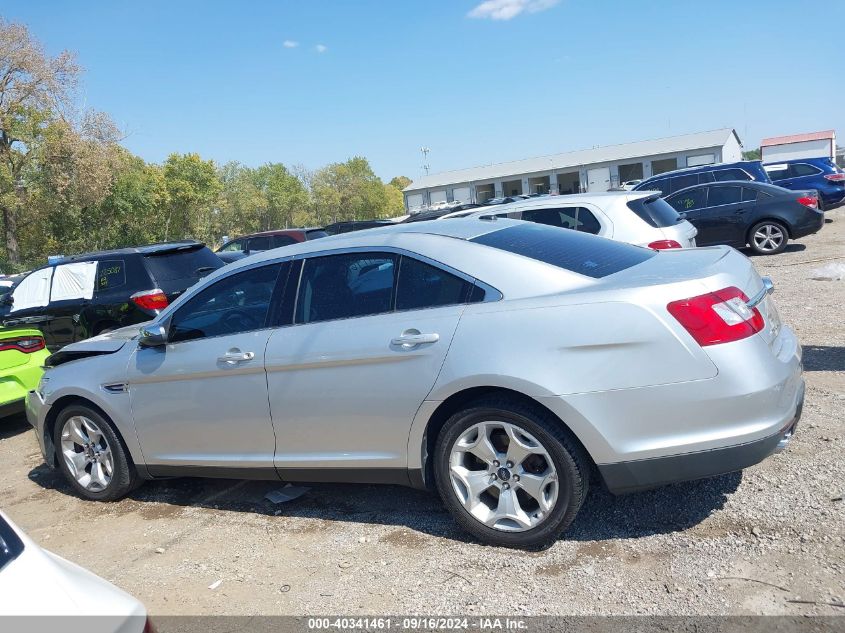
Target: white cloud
[321, 48]
[507, 9]
[290, 44]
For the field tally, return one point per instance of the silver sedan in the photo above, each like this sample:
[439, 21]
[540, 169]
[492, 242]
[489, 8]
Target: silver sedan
[493, 360]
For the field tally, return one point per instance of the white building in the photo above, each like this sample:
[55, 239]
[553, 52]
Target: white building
[596, 169]
[812, 145]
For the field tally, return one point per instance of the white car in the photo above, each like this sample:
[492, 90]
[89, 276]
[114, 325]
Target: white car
[35, 583]
[641, 218]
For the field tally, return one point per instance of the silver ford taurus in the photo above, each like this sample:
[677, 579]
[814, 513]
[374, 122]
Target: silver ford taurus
[495, 360]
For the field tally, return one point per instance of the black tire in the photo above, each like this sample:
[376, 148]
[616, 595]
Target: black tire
[774, 227]
[124, 477]
[569, 459]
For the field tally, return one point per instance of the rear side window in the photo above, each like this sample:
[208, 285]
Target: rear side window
[778, 172]
[111, 274]
[722, 175]
[749, 194]
[797, 170]
[422, 285]
[577, 218]
[182, 264]
[705, 177]
[720, 195]
[682, 182]
[654, 211]
[261, 243]
[315, 235]
[345, 286]
[688, 200]
[661, 185]
[571, 250]
[277, 241]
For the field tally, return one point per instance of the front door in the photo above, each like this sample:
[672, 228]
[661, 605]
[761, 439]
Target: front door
[201, 400]
[370, 334]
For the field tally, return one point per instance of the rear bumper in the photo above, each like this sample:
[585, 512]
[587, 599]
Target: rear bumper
[626, 477]
[16, 381]
[812, 224]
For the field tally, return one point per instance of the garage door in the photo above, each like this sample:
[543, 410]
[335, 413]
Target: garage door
[415, 201]
[461, 194]
[437, 196]
[598, 179]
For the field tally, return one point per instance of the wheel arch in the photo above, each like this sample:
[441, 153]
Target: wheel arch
[459, 400]
[63, 403]
[768, 218]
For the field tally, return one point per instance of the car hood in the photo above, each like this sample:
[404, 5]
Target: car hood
[107, 343]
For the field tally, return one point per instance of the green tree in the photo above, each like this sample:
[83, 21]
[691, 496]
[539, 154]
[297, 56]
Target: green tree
[193, 189]
[400, 182]
[754, 154]
[284, 196]
[348, 191]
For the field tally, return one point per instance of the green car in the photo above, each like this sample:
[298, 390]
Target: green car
[22, 354]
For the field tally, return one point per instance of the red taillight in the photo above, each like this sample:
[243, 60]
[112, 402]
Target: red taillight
[717, 317]
[150, 299]
[662, 245]
[809, 201]
[27, 344]
[835, 177]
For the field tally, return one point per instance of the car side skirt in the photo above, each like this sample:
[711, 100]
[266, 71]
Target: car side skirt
[397, 476]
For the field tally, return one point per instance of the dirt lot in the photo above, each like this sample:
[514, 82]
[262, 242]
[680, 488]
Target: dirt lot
[738, 544]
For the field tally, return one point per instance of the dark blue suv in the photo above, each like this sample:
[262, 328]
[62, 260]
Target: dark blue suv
[820, 174]
[672, 181]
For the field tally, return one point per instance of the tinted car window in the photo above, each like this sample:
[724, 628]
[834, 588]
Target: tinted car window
[237, 303]
[682, 182]
[261, 243]
[749, 194]
[277, 241]
[655, 211]
[184, 263]
[111, 274]
[705, 177]
[573, 251]
[577, 218]
[688, 200]
[422, 285]
[344, 286]
[661, 185]
[315, 235]
[722, 175]
[778, 172]
[722, 194]
[797, 170]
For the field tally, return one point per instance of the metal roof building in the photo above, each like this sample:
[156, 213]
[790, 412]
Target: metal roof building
[810, 145]
[596, 169]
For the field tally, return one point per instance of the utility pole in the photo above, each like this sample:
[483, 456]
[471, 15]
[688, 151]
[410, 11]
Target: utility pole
[425, 165]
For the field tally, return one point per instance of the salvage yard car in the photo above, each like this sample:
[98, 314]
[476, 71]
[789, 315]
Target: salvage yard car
[22, 354]
[85, 295]
[499, 361]
[638, 217]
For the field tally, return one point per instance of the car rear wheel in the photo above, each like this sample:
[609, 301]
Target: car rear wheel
[510, 473]
[768, 237]
[91, 455]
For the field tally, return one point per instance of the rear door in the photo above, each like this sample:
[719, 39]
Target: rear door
[725, 218]
[201, 400]
[368, 337]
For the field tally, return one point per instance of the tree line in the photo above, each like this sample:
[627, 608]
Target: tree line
[68, 186]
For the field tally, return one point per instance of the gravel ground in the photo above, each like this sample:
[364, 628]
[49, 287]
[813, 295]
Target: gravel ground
[744, 543]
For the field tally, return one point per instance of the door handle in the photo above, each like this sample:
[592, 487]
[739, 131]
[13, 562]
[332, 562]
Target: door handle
[412, 338]
[234, 356]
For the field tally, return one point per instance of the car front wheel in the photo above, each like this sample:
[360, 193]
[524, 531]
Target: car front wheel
[510, 473]
[768, 237]
[91, 455]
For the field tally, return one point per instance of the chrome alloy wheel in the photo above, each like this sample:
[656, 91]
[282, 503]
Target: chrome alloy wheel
[768, 237]
[87, 453]
[503, 476]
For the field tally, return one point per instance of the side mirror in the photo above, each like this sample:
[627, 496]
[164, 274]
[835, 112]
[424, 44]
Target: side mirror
[153, 335]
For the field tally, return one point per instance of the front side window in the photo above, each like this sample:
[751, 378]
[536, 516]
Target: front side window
[111, 274]
[238, 303]
[720, 195]
[282, 240]
[422, 285]
[778, 172]
[345, 286]
[688, 200]
[236, 245]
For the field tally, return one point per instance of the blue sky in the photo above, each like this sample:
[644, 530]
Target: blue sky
[477, 84]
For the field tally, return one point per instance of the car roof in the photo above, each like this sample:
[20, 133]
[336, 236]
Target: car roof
[599, 198]
[280, 232]
[698, 168]
[751, 184]
[147, 249]
[823, 160]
